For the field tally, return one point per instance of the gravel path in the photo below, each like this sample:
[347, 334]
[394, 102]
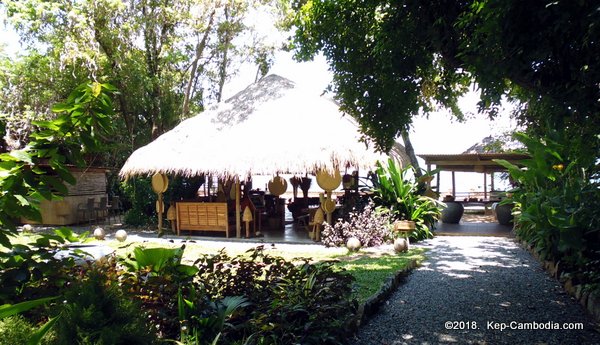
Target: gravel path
[480, 284]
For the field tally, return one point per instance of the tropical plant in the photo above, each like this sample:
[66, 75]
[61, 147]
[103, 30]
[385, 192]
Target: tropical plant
[138, 202]
[204, 323]
[96, 311]
[155, 276]
[371, 226]
[38, 171]
[14, 329]
[404, 199]
[555, 194]
[292, 302]
[30, 271]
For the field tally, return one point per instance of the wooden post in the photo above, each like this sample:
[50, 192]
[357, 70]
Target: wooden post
[159, 210]
[238, 208]
[492, 176]
[453, 185]
[485, 196]
[437, 184]
[428, 172]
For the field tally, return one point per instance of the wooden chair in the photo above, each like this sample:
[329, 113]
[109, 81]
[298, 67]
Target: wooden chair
[114, 209]
[102, 208]
[87, 211]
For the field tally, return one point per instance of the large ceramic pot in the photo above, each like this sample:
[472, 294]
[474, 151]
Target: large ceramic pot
[453, 212]
[504, 214]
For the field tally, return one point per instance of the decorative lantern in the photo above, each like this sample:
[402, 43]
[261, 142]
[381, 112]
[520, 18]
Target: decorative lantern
[400, 245]
[247, 218]
[353, 244]
[99, 233]
[121, 235]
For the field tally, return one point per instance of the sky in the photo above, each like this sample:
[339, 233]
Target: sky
[438, 133]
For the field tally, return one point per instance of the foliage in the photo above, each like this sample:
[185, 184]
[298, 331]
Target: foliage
[405, 200]
[155, 276]
[32, 271]
[139, 202]
[15, 330]
[168, 58]
[291, 303]
[556, 196]
[392, 59]
[97, 312]
[208, 320]
[38, 170]
[371, 226]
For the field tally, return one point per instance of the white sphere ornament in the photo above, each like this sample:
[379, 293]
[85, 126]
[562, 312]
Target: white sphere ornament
[121, 235]
[27, 228]
[353, 244]
[401, 245]
[99, 233]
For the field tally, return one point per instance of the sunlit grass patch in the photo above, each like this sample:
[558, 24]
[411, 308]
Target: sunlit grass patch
[371, 272]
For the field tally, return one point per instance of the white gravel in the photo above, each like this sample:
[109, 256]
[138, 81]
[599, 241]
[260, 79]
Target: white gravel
[478, 285]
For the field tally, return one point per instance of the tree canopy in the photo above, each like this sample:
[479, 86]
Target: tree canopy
[392, 59]
[167, 59]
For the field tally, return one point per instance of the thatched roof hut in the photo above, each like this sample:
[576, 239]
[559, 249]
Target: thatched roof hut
[273, 126]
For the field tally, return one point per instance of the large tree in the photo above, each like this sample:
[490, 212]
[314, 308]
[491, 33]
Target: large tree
[167, 58]
[392, 59]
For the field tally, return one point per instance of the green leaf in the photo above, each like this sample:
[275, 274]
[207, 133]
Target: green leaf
[7, 310]
[36, 337]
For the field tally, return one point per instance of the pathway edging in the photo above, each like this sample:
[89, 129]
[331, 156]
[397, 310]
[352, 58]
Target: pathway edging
[590, 300]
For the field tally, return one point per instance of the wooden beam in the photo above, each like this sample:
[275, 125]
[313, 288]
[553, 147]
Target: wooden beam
[453, 185]
[485, 193]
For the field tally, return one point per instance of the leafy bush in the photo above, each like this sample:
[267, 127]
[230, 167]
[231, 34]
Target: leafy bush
[96, 311]
[557, 198]
[371, 226]
[290, 303]
[32, 271]
[139, 202]
[155, 276]
[405, 200]
[15, 330]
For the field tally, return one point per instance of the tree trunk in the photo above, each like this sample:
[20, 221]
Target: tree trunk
[410, 151]
[199, 51]
[226, 39]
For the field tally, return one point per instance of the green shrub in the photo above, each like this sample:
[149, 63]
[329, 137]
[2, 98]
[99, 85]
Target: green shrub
[557, 198]
[15, 330]
[290, 303]
[32, 271]
[154, 276]
[139, 202]
[405, 200]
[96, 311]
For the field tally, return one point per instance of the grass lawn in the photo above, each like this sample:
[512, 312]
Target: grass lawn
[371, 272]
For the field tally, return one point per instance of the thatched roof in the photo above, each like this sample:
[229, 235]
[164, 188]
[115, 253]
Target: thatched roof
[271, 127]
